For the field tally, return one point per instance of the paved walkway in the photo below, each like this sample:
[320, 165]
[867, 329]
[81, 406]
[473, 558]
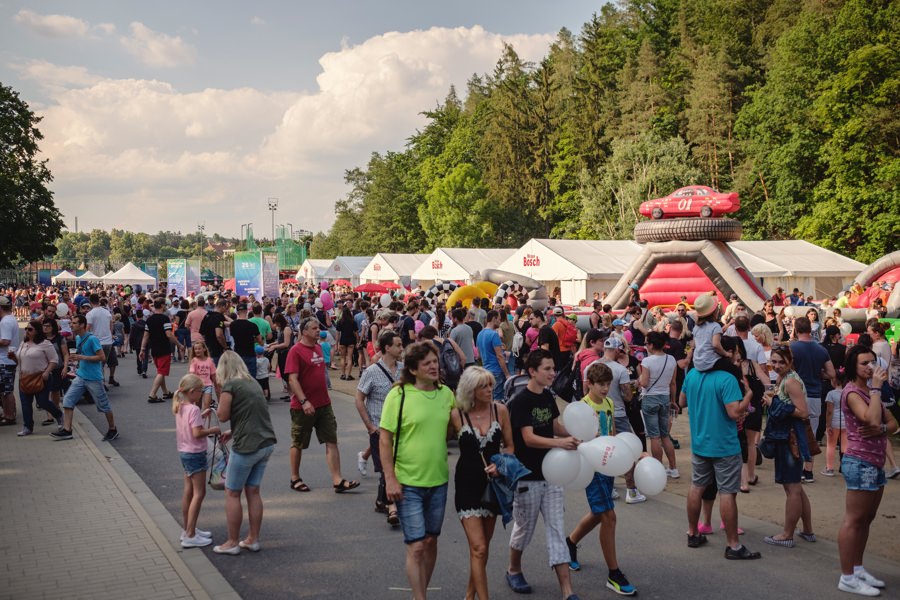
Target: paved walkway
[78, 522]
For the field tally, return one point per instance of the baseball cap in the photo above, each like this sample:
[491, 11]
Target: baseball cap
[618, 322]
[557, 310]
[613, 343]
[4, 301]
[259, 349]
[323, 334]
[242, 307]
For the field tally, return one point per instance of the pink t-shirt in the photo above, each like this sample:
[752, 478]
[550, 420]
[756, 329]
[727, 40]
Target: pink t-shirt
[187, 418]
[192, 322]
[204, 369]
[872, 449]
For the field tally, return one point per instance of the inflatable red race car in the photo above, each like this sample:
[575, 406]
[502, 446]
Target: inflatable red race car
[692, 201]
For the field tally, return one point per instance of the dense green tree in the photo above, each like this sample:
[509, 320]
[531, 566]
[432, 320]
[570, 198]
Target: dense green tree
[31, 221]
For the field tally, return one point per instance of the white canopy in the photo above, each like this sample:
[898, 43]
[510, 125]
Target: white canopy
[88, 276]
[392, 267]
[794, 258]
[557, 260]
[129, 274]
[452, 264]
[63, 276]
[314, 269]
[347, 267]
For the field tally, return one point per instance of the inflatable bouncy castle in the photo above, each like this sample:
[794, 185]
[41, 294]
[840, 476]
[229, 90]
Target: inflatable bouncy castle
[688, 256]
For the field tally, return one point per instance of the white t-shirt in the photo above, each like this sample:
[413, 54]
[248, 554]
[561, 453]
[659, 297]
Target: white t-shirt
[620, 378]
[834, 398]
[755, 351]
[662, 368]
[9, 330]
[99, 320]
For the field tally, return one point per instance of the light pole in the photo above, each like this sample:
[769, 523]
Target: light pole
[201, 227]
[273, 206]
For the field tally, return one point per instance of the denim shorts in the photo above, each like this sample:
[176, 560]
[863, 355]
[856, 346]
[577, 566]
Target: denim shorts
[193, 462]
[788, 468]
[247, 470]
[421, 512]
[862, 476]
[656, 415]
[208, 389]
[599, 494]
[623, 424]
[95, 388]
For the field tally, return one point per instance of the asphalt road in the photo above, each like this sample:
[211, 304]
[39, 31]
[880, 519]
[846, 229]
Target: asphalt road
[323, 545]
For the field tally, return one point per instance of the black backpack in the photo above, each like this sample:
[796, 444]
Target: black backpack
[451, 367]
[568, 381]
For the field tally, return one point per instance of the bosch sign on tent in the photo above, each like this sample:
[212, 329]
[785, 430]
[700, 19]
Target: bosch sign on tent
[459, 264]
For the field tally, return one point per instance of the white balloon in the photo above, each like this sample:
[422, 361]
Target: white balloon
[560, 466]
[62, 309]
[581, 421]
[846, 328]
[633, 442]
[385, 300]
[607, 455]
[650, 476]
[585, 475]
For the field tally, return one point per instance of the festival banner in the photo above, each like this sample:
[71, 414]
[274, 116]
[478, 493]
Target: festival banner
[270, 274]
[176, 273]
[248, 273]
[192, 276]
[151, 269]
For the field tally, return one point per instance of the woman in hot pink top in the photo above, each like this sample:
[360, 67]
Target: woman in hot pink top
[191, 439]
[868, 423]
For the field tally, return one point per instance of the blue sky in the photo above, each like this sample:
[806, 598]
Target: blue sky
[164, 114]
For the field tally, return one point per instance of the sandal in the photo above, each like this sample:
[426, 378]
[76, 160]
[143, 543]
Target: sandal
[299, 486]
[4, 422]
[755, 480]
[392, 518]
[168, 395]
[345, 486]
[154, 399]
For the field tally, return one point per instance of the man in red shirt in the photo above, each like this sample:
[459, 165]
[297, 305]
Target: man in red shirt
[311, 407]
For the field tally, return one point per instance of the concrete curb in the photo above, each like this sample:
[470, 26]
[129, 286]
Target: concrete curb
[193, 567]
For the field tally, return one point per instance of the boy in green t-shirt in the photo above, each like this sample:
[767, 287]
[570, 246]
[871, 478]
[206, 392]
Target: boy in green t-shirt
[600, 491]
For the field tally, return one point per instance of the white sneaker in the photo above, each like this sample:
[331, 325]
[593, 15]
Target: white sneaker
[673, 473]
[857, 586]
[198, 541]
[867, 577]
[893, 473]
[362, 464]
[197, 532]
[25, 431]
[634, 497]
[615, 494]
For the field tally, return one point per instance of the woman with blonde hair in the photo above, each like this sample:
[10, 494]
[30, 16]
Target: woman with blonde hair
[242, 402]
[190, 435]
[483, 428]
[765, 338]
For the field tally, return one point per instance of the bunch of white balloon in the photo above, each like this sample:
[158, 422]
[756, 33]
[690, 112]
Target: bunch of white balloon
[608, 455]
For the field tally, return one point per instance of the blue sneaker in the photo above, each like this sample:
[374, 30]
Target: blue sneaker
[518, 584]
[574, 565]
[618, 583]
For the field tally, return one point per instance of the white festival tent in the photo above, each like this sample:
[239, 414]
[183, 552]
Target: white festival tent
[130, 275]
[347, 267]
[458, 264]
[578, 267]
[392, 267]
[63, 276]
[581, 267]
[313, 269]
[89, 276]
[791, 264]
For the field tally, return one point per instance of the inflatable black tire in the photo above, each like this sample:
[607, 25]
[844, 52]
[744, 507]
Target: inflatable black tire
[665, 230]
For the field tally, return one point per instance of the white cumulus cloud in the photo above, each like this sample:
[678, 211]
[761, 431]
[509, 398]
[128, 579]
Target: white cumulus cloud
[56, 78]
[156, 49]
[51, 25]
[134, 153]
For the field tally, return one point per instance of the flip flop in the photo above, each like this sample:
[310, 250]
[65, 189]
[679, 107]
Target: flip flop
[345, 486]
[298, 486]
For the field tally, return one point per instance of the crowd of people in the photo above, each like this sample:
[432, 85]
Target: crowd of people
[755, 384]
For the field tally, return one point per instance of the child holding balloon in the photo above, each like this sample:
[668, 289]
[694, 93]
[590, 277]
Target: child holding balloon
[600, 490]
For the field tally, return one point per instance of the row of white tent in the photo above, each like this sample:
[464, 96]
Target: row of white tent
[581, 267]
[127, 275]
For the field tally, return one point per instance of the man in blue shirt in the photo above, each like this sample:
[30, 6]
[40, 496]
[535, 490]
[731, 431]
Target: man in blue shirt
[89, 377]
[715, 403]
[490, 348]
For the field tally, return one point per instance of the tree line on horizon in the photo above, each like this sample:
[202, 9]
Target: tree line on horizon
[792, 103]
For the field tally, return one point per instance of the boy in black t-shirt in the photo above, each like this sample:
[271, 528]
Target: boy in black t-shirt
[535, 420]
